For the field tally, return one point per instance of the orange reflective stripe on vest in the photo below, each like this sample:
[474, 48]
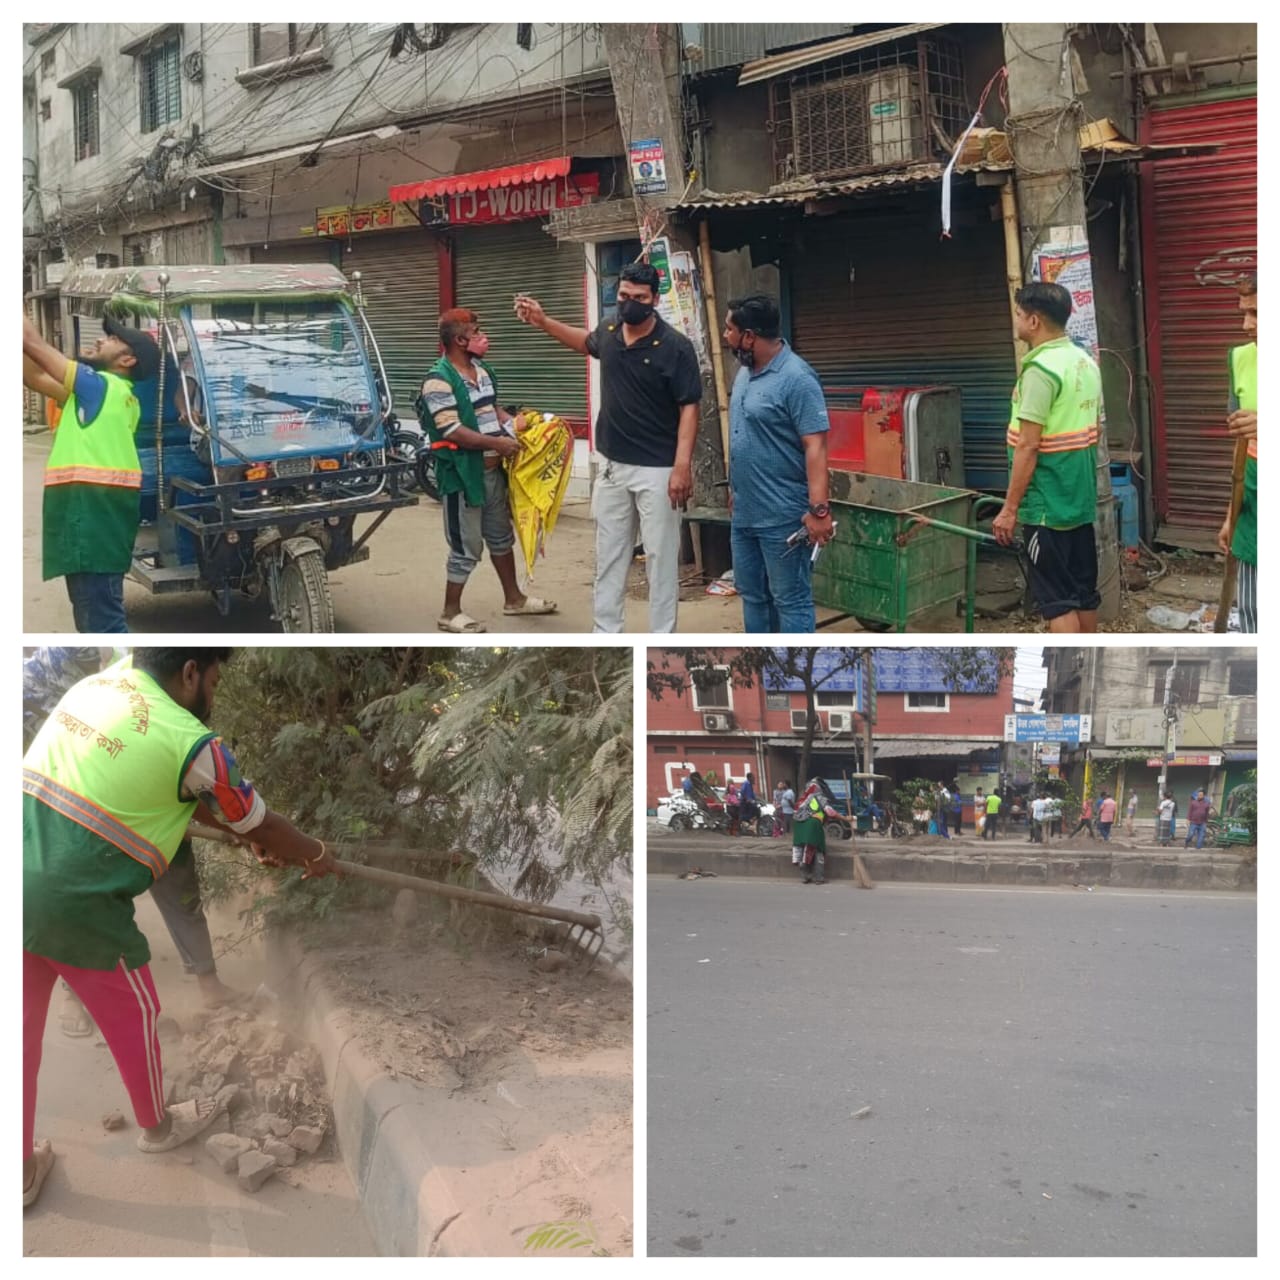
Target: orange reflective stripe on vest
[1064, 442]
[88, 815]
[1253, 448]
[109, 477]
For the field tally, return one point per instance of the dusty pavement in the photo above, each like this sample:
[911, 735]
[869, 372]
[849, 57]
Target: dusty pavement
[1047, 1074]
[400, 587]
[104, 1197]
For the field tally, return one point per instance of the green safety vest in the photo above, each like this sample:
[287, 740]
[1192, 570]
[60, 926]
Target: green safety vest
[92, 487]
[457, 470]
[1244, 386]
[1063, 493]
[111, 759]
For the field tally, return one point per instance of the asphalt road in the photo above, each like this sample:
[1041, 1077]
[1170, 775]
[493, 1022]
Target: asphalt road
[105, 1198]
[1049, 1072]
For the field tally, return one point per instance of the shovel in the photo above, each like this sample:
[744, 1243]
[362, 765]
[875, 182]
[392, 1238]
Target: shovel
[585, 934]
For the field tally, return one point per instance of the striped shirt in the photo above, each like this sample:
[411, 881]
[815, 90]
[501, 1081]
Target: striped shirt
[484, 402]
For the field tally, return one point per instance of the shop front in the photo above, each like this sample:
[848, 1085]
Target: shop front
[672, 759]
[973, 765]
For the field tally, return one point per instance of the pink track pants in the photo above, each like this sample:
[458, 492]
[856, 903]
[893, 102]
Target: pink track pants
[124, 1005]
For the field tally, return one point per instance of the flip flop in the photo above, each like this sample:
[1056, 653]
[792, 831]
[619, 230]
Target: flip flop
[461, 624]
[43, 1152]
[187, 1124]
[532, 605]
[77, 1024]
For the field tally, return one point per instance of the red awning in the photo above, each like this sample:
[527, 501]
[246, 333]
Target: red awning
[512, 175]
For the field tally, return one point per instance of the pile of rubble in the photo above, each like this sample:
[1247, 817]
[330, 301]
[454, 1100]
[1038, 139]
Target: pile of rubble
[270, 1086]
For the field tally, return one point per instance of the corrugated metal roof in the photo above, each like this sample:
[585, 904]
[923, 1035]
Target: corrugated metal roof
[730, 44]
[909, 748]
[781, 63]
[797, 194]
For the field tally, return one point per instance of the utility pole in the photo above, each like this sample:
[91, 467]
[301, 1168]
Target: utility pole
[1045, 115]
[868, 718]
[644, 66]
[1170, 726]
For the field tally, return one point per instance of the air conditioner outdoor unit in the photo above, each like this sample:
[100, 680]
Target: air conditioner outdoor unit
[839, 721]
[799, 720]
[857, 122]
[714, 722]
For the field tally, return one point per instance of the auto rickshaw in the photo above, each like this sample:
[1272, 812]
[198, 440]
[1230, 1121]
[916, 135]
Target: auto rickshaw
[264, 434]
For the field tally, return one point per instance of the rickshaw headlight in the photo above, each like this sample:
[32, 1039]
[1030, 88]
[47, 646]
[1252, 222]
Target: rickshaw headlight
[329, 464]
[260, 471]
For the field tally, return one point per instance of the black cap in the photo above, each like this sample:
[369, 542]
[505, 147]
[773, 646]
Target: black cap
[144, 348]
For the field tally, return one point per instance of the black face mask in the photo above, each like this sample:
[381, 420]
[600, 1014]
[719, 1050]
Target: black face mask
[633, 311]
[745, 356]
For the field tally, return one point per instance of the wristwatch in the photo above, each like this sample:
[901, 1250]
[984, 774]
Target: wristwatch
[820, 510]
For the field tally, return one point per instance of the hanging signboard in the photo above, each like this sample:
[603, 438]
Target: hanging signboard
[648, 166]
[511, 203]
[346, 220]
[1048, 728]
[1209, 761]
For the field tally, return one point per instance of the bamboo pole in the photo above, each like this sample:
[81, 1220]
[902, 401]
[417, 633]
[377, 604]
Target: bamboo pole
[713, 336]
[1012, 263]
[1230, 570]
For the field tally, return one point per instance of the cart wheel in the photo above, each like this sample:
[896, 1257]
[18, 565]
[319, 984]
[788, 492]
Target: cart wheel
[679, 822]
[873, 624]
[306, 603]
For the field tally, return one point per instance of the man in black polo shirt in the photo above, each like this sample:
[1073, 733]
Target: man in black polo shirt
[644, 436]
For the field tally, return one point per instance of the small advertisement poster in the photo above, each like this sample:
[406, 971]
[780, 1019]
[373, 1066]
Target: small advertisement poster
[648, 167]
[680, 301]
[1064, 259]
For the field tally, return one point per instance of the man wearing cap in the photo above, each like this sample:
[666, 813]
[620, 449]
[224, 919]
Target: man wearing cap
[93, 479]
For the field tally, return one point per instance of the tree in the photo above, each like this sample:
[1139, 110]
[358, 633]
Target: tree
[522, 757]
[781, 666]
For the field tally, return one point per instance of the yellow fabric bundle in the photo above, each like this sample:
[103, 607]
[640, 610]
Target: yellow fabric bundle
[539, 476]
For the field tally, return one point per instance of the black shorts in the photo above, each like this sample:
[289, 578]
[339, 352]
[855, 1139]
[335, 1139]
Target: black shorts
[1064, 568]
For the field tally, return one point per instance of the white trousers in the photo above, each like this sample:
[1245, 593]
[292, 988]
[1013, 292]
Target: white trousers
[624, 496]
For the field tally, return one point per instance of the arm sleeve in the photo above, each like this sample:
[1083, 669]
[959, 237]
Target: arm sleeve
[688, 377]
[594, 339]
[1036, 391]
[442, 404]
[809, 406]
[90, 389]
[214, 777]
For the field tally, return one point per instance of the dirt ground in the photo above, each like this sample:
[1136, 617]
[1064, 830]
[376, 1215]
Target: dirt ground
[530, 1060]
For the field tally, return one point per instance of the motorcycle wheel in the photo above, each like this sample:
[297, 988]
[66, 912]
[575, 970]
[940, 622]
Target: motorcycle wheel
[405, 448]
[425, 472]
[306, 603]
[764, 826]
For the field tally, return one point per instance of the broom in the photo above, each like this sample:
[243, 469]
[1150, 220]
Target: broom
[1237, 501]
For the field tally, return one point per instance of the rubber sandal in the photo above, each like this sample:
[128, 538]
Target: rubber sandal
[461, 624]
[43, 1152]
[532, 605]
[77, 1024]
[187, 1124]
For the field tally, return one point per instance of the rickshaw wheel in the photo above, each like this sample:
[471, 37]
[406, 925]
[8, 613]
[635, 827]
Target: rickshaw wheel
[835, 830]
[679, 822]
[306, 603]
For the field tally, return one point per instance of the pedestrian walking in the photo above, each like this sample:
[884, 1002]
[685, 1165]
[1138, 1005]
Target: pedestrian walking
[779, 828]
[651, 388]
[1131, 810]
[1197, 819]
[777, 470]
[957, 808]
[110, 784]
[1055, 816]
[472, 436]
[93, 477]
[1107, 816]
[788, 805]
[941, 810]
[1164, 819]
[991, 828]
[1052, 442]
[1038, 819]
[1086, 818]
[979, 811]
[1242, 424]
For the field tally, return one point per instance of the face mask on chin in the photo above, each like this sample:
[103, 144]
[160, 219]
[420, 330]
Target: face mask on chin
[745, 356]
[634, 312]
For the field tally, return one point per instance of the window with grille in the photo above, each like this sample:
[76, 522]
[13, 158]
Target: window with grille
[276, 41]
[711, 689]
[928, 701]
[825, 701]
[161, 85]
[1186, 682]
[1242, 679]
[48, 60]
[84, 96]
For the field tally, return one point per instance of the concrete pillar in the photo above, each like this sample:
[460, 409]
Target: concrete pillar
[1044, 119]
[644, 66]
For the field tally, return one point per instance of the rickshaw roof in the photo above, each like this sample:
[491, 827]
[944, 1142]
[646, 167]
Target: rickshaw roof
[141, 285]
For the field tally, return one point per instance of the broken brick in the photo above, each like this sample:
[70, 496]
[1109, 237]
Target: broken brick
[226, 1149]
[306, 1137]
[281, 1152]
[254, 1169]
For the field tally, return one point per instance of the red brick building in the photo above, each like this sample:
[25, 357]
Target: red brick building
[932, 732]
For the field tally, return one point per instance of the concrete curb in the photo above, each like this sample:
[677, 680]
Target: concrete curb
[383, 1126]
[1141, 870]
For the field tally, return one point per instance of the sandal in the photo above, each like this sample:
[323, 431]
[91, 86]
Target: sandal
[75, 1021]
[187, 1123]
[43, 1152]
[461, 624]
[532, 605]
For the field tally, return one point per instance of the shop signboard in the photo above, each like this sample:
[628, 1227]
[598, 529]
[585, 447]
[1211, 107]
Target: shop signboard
[1048, 728]
[511, 203]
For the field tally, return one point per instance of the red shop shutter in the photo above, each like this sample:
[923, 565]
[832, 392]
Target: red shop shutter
[1194, 210]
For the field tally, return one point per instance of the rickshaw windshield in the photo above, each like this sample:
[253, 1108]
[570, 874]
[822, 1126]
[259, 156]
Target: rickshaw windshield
[283, 376]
